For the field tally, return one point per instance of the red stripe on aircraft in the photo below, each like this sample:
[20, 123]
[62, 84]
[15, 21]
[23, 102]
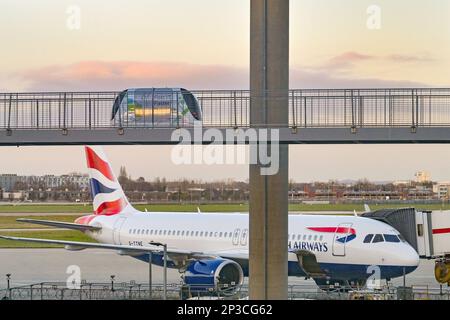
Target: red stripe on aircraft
[94, 162]
[334, 230]
[441, 231]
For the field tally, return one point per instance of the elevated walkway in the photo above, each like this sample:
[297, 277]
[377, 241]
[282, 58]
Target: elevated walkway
[315, 116]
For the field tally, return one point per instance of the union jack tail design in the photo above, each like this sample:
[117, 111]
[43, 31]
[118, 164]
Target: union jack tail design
[107, 195]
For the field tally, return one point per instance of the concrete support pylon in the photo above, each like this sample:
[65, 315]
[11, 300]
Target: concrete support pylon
[269, 85]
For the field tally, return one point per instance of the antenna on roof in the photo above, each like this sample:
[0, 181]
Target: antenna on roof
[198, 210]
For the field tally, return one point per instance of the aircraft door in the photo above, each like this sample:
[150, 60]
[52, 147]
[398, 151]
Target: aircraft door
[340, 239]
[116, 229]
[236, 237]
[244, 237]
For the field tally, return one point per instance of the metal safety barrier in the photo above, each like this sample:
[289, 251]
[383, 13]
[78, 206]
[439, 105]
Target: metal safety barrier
[308, 108]
[140, 291]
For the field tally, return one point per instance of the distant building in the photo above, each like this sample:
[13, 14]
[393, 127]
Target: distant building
[52, 181]
[77, 179]
[401, 183]
[422, 176]
[8, 181]
[442, 190]
[14, 196]
[74, 180]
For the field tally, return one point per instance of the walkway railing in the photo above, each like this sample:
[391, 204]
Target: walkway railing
[138, 291]
[319, 108]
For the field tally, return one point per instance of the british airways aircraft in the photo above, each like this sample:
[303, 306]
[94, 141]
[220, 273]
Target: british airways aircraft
[211, 250]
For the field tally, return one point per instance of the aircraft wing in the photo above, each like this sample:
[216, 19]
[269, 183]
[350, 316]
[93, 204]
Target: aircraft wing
[233, 254]
[58, 224]
[173, 254]
[239, 256]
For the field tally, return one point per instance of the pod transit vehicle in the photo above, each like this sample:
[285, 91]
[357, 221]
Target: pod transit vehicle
[156, 107]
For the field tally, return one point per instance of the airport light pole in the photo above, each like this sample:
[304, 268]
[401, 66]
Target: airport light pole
[404, 277]
[150, 258]
[8, 278]
[112, 282]
[158, 244]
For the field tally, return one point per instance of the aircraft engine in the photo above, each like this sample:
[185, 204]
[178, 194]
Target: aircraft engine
[217, 276]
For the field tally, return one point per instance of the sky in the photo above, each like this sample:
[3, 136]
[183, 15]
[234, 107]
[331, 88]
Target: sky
[204, 44]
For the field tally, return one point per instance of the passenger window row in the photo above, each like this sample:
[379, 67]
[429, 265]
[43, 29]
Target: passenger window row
[211, 234]
[181, 233]
[305, 237]
[377, 238]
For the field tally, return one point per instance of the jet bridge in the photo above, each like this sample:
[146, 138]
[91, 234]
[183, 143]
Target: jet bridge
[428, 232]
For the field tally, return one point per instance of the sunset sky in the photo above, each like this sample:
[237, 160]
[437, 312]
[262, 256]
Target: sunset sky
[204, 44]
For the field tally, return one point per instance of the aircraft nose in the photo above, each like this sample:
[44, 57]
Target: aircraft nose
[409, 257]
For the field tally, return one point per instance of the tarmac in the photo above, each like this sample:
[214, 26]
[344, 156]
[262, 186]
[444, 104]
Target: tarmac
[28, 266]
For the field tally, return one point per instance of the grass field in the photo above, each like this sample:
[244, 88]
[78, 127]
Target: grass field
[87, 209]
[9, 222]
[46, 208]
[54, 235]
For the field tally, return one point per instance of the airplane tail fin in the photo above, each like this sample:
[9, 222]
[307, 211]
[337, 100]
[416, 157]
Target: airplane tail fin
[108, 197]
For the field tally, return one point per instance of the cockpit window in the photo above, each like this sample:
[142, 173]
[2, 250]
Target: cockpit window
[368, 238]
[378, 238]
[391, 238]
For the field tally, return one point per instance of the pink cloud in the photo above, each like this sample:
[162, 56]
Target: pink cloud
[344, 61]
[310, 79]
[118, 75]
[410, 58]
[349, 57]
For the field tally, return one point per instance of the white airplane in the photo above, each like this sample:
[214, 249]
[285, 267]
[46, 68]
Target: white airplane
[211, 250]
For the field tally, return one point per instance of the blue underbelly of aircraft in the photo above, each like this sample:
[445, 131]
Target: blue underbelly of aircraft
[360, 272]
[334, 270]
